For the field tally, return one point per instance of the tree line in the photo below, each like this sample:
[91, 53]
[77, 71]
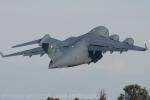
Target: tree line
[130, 92]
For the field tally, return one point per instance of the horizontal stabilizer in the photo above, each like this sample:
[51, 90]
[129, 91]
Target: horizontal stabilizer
[28, 43]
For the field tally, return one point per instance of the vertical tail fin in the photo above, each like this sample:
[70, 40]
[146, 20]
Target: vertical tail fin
[44, 39]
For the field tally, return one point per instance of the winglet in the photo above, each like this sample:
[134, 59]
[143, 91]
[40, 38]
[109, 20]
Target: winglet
[1, 54]
[146, 47]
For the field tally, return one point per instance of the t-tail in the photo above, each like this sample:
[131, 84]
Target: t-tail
[44, 44]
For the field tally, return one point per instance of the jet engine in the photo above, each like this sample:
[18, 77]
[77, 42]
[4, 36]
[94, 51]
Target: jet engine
[114, 37]
[129, 41]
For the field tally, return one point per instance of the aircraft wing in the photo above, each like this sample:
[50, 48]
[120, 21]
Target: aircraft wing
[119, 49]
[31, 52]
[111, 45]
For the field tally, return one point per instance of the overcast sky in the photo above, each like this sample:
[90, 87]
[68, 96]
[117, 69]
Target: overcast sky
[25, 20]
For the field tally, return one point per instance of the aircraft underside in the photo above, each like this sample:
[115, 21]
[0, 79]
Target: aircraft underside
[76, 55]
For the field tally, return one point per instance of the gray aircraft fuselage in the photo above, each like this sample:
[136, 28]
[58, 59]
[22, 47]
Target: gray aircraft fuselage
[83, 49]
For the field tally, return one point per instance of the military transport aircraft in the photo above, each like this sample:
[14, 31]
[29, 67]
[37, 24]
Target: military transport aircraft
[83, 49]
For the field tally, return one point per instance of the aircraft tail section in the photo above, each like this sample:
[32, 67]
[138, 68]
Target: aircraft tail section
[47, 45]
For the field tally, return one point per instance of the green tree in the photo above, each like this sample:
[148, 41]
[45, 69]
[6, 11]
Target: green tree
[51, 98]
[148, 98]
[134, 92]
[121, 97]
[102, 95]
[76, 98]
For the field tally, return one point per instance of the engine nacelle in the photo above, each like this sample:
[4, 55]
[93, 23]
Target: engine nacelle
[129, 41]
[114, 37]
